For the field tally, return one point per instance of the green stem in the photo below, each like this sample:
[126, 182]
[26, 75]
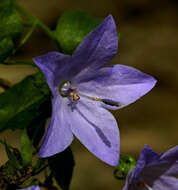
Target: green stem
[27, 36]
[40, 170]
[39, 23]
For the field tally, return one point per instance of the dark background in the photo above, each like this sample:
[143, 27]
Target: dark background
[149, 39]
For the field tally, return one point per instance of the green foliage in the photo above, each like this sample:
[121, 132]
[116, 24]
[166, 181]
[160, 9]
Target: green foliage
[23, 103]
[11, 24]
[37, 129]
[6, 48]
[13, 161]
[62, 165]
[26, 149]
[6, 4]
[126, 163]
[72, 27]
[11, 28]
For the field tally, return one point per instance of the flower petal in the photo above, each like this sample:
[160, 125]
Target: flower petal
[129, 184]
[97, 129]
[53, 66]
[119, 83]
[97, 49]
[165, 183]
[166, 164]
[173, 169]
[171, 154]
[31, 188]
[59, 135]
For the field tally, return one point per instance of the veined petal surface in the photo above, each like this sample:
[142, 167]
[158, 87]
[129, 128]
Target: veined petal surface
[59, 135]
[120, 83]
[97, 129]
[97, 49]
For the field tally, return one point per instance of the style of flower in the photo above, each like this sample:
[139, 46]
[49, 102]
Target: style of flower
[154, 171]
[31, 188]
[83, 89]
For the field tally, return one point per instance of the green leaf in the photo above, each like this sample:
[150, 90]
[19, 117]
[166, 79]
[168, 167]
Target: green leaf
[62, 166]
[6, 48]
[37, 130]
[23, 103]
[26, 149]
[12, 158]
[72, 27]
[11, 24]
[9, 169]
[6, 4]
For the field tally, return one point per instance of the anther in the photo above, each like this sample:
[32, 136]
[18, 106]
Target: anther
[74, 96]
[110, 102]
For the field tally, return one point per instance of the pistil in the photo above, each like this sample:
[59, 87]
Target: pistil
[66, 89]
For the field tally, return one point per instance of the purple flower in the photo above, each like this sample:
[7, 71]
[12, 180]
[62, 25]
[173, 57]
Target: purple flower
[83, 89]
[154, 171]
[32, 188]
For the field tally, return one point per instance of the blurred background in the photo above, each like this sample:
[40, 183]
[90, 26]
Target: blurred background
[149, 42]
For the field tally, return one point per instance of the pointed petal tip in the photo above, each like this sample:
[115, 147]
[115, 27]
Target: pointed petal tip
[46, 152]
[154, 81]
[110, 20]
[111, 159]
[41, 57]
[114, 162]
[146, 147]
[110, 17]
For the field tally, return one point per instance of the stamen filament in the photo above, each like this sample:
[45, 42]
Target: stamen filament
[148, 187]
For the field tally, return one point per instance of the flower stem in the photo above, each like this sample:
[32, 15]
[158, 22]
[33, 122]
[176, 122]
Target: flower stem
[27, 36]
[40, 170]
[34, 19]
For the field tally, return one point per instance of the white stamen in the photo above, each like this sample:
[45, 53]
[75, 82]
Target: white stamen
[148, 187]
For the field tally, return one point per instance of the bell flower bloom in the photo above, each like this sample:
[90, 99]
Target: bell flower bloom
[83, 88]
[154, 171]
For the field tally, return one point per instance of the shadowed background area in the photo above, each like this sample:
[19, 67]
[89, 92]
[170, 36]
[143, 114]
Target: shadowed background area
[148, 42]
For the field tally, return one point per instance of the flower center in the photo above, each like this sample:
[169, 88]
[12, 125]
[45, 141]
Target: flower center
[66, 89]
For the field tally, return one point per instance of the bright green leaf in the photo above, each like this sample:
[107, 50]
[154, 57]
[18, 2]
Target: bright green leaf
[26, 149]
[72, 27]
